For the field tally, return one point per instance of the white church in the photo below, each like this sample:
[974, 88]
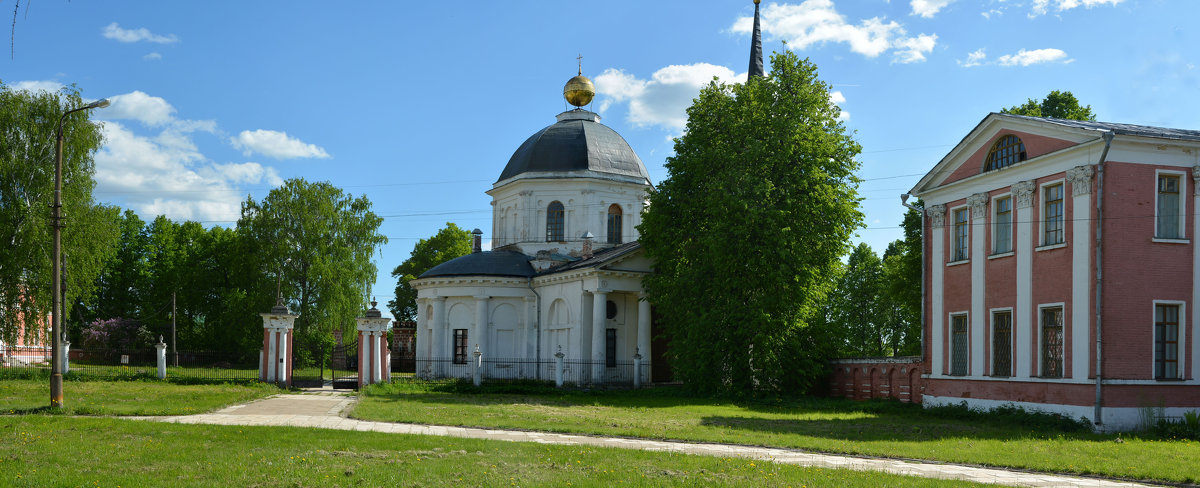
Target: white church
[565, 271]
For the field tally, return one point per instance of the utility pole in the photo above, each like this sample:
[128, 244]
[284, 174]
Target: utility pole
[174, 352]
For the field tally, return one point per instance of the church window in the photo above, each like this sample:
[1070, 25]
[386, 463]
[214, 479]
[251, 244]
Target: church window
[460, 346]
[958, 345]
[1166, 342]
[1007, 151]
[1052, 342]
[610, 310]
[555, 222]
[610, 347]
[614, 224]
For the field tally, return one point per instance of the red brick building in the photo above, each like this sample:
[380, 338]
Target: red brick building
[1057, 249]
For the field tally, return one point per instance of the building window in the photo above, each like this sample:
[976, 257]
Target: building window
[1052, 342]
[1052, 215]
[1003, 223]
[460, 346]
[958, 345]
[554, 222]
[1166, 342]
[614, 224]
[1006, 151]
[1168, 224]
[960, 234]
[1002, 344]
[610, 310]
[610, 348]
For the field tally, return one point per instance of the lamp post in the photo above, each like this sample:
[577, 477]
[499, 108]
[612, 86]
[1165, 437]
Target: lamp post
[56, 359]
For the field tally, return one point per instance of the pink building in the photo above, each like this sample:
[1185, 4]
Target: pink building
[1056, 250]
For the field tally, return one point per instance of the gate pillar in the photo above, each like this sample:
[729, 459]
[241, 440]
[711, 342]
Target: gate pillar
[276, 354]
[374, 358]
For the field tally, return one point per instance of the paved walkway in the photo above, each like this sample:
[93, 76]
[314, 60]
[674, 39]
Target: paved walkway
[323, 409]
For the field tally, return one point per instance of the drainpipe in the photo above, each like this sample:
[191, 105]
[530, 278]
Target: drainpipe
[904, 201]
[537, 329]
[1108, 138]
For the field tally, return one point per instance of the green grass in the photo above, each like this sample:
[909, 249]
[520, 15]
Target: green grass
[60, 451]
[139, 397]
[820, 424]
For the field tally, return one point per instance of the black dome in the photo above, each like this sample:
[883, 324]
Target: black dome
[490, 263]
[577, 142]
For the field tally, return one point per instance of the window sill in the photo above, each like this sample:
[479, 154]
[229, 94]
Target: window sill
[1048, 247]
[956, 263]
[1169, 380]
[1171, 241]
[1001, 255]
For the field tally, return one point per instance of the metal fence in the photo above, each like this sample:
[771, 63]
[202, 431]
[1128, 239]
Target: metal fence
[128, 364]
[619, 373]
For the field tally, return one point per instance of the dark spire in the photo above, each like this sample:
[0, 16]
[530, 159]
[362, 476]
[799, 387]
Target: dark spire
[756, 58]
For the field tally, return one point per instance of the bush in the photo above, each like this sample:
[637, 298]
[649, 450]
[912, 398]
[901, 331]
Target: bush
[1186, 427]
[116, 334]
[1013, 415]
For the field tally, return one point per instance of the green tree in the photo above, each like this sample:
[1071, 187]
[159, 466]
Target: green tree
[450, 242]
[856, 304]
[125, 278]
[322, 241]
[758, 206]
[28, 122]
[1058, 105]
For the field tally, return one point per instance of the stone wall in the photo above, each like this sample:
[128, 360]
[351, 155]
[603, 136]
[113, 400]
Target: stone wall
[889, 377]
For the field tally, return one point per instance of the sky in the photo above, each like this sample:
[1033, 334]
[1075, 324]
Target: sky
[419, 105]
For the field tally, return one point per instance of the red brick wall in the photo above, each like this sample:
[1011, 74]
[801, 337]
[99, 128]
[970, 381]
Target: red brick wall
[866, 378]
[1035, 145]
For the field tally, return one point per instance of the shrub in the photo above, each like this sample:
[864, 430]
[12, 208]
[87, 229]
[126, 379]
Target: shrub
[116, 334]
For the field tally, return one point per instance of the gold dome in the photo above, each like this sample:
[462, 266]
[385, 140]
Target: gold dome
[579, 91]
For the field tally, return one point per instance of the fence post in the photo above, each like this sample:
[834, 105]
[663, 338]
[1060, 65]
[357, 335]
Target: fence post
[478, 364]
[637, 369]
[162, 358]
[558, 368]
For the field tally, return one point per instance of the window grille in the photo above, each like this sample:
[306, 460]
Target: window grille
[1052, 342]
[1166, 342]
[1053, 216]
[1006, 151]
[958, 346]
[1002, 344]
[460, 346]
[554, 222]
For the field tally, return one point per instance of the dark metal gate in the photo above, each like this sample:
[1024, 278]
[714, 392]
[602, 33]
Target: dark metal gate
[344, 366]
[310, 365]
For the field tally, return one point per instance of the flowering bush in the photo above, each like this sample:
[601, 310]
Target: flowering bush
[116, 334]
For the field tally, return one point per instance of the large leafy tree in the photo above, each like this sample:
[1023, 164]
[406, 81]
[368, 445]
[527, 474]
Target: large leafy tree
[450, 242]
[757, 208]
[28, 122]
[321, 241]
[1058, 105]
[858, 311]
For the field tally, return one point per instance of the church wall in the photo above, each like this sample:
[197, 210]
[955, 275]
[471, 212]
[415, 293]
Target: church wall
[519, 211]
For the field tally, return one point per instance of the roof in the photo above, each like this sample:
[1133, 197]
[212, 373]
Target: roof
[1120, 129]
[577, 142]
[489, 263]
[600, 257]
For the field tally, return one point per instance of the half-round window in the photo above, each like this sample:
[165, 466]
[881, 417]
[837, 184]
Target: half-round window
[554, 222]
[1007, 151]
[614, 224]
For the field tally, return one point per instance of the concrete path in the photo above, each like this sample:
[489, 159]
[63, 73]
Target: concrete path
[324, 409]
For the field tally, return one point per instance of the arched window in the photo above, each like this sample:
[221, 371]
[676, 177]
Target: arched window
[554, 222]
[1007, 151]
[614, 224]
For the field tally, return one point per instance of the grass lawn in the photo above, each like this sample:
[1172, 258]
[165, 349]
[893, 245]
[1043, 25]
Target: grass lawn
[149, 397]
[818, 424]
[45, 450]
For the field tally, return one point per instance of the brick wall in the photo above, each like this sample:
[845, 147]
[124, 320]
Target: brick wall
[866, 378]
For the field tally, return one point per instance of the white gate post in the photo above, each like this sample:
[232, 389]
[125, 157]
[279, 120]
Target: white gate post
[277, 341]
[558, 368]
[162, 358]
[372, 345]
[637, 369]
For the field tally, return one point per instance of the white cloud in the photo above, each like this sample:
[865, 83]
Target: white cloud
[837, 98]
[664, 98]
[115, 32]
[137, 105]
[275, 144]
[37, 86]
[152, 57]
[1040, 7]
[976, 58]
[1036, 56]
[815, 22]
[928, 8]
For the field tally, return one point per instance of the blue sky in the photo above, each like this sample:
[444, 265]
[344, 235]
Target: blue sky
[419, 105]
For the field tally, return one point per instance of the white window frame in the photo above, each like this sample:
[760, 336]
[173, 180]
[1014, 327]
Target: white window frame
[950, 337]
[1042, 244]
[1012, 227]
[954, 235]
[1181, 350]
[1182, 206]
[1012, 341]
[1041, 335]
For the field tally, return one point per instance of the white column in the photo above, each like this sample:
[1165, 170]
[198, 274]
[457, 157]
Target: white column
[438, 345]
[284, 354]
[979, 317]
[528, 333]
[585, 332]
[1023, 313]
[599, 305]
[643, 330]
[422, 332]
[1080, 178]
[936, 215]
[273, 355]
[479, 336]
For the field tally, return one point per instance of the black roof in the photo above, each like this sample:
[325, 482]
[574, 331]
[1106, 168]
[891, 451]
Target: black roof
[489, 263]
[576, 142]
[598, 258]
[1121, 129]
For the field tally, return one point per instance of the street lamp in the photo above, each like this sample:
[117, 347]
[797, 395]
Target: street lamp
[56, 359]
